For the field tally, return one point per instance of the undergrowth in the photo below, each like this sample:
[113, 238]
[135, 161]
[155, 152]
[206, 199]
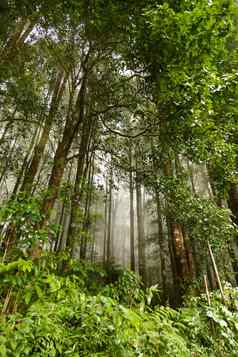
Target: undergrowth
[55, 306]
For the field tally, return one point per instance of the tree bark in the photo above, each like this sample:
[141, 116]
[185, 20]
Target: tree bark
[32, 170]
[82, 169]
[86, 222]
[233, 201]
[179, 255]
[60, 159]
[164, 251]
[162, 241]
[25, 163]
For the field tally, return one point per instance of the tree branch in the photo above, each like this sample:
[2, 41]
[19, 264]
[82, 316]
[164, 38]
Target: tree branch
[122, 134]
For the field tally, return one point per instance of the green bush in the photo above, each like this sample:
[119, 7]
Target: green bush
[59, 307]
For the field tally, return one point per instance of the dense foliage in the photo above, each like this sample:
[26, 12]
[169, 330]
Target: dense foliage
[58, 307]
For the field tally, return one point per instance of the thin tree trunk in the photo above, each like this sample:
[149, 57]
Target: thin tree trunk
[163, 251]
[113, 225]
[86, 222]
[132, 229]
[16, 41]
[105, 224]
[61, 228]
[25, 164]
[65, 227]
[7, 126]
[163, 243]
[140, 229]
[92, 255]
[109, 227]
[8, 159]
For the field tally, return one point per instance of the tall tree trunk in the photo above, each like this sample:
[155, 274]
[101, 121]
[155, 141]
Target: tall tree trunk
[8, 159]
[165, 258]
[182, 268]
[109, 226]
[233, 201]
[178, 251]
[140, 228]
[82, 168]
[96, 207]
[189, 255]
[86, 221]
[59, 244]
[60, 158]
[132, 229]
[163, 249]
[233, 245]
[113, 225]
[8, 126]
[65, 227]
[56, 247]
[32, 170]
[25, 163]
[16, 41]
[105, 224]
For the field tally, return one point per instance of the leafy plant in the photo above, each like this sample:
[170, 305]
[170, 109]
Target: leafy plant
[60, 312]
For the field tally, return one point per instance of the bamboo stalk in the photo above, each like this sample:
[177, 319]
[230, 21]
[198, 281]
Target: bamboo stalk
[207, 290]
[216, 272]
[7, 300]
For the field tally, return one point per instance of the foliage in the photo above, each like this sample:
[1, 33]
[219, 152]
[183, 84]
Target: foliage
[186, 48]
[63, 314]
[219, 318]
[126, 288]
[21, 216]
[201, 216]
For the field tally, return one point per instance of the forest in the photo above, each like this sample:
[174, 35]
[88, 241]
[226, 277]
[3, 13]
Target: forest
[119, 178]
